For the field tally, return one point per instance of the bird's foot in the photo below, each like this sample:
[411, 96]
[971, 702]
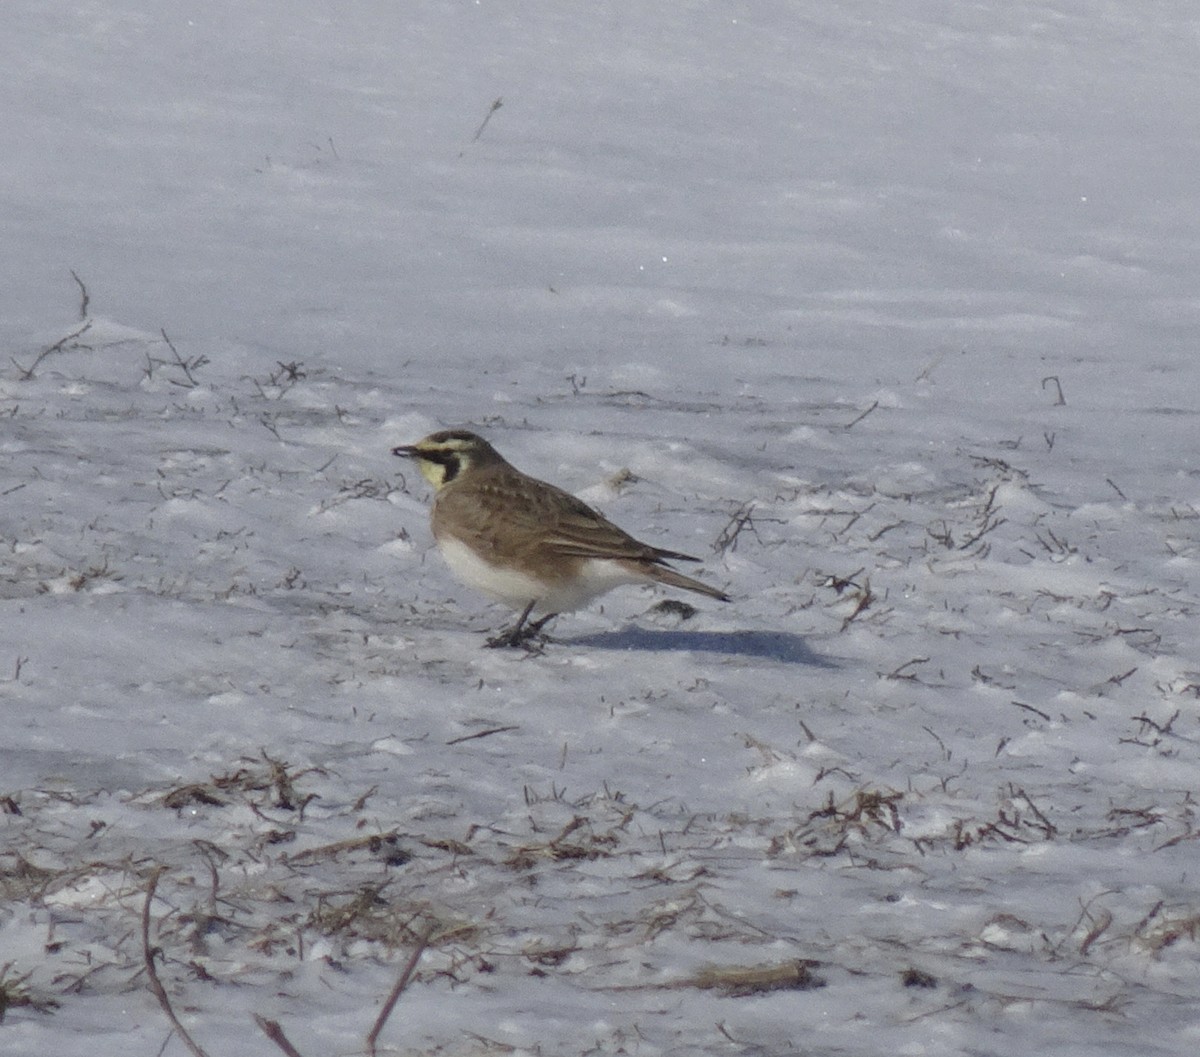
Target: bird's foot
[522, 635]
[516, 638]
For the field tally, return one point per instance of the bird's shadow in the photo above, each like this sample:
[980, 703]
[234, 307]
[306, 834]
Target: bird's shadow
[771, 645]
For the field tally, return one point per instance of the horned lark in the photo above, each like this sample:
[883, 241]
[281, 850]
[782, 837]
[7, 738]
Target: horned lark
[525, 542]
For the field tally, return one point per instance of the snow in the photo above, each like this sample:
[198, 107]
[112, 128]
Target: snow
[890, 316]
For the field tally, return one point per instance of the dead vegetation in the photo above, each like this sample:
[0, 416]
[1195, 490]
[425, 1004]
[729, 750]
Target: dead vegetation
[264, 782]
[832, 828]
[15, 993]
[739, 981]
[187, 914]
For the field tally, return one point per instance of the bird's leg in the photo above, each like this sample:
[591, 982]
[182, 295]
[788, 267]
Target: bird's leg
[516, 635]
[521, 633]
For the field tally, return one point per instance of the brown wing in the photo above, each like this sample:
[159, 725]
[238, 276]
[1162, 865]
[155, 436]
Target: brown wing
[583, 532]
[503, 516]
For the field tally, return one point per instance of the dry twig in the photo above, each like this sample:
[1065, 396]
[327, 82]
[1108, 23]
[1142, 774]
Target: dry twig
[156, 987]
[481, 734]
[742, 980]
[402, 982]
[741, 519]
[854, 422]
[496, 105]
[182, 364]
[58, 346]
[1062, 400]
[84, 299]
[274, 1031]
[374, 843]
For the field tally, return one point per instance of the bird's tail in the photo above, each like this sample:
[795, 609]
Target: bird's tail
[671, 578]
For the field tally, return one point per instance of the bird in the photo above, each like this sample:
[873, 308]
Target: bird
[527, 543]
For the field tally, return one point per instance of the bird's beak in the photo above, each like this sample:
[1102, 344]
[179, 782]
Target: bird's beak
[405, 451]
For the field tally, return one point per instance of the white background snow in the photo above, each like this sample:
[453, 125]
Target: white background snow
[891, 312]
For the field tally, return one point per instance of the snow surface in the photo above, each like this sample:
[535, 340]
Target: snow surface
[889, 311]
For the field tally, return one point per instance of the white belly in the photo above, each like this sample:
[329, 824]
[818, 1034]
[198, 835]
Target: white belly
[516, 589]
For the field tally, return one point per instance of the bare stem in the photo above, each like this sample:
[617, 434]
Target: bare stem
[84, 299]
[58, 346]
[855, 422]
[273, 1031]
[401, 983]
[486, 118]
[180, 362]
[1062, 400]
[156, 987]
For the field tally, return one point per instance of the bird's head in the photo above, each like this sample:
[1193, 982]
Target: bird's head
[443, 457]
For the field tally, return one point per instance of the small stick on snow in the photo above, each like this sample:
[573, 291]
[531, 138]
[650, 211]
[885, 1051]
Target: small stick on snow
[180, 362]
[900, 673]
[1030, 708]
[1062, 400]
[401, 983]
[1103, 920]
[851, 425]
[274, 1031]
[84, 300]
[156, 987]
[481, 734]
[58, 346]
[1048, 827]
[486, 118]
[727, 540]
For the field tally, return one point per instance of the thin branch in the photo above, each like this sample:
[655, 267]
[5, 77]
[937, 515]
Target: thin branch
[855, 422]
[481, 734]
[84, 299]
[273, 1031]
[1048, 827]
[900, 673]
[180, 362]
[486, 118]
[1030, 708]
[401, 983]
[58, 346]
[1099, 927]
[1062, 400]
[741, 520]
[156, 987]
[373, 842]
